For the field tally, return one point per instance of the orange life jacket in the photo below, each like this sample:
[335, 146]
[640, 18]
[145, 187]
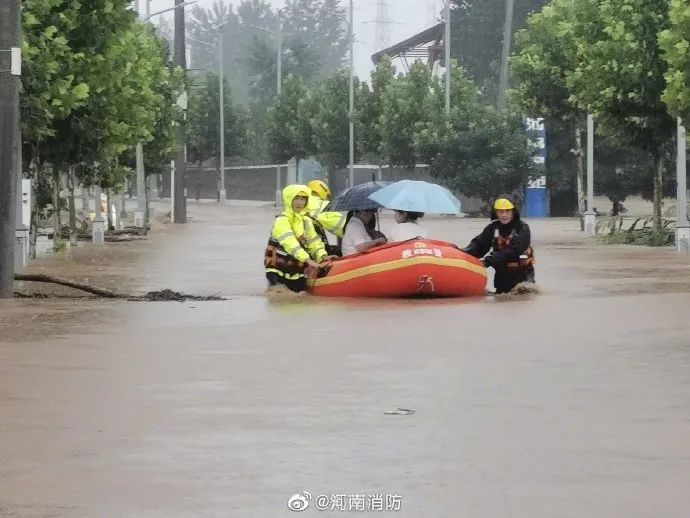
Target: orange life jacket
[501, 242]
[277, 258]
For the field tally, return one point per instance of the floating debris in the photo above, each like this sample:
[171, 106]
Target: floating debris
[174, 296]
[400, 411]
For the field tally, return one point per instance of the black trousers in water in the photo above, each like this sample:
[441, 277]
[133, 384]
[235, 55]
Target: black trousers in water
[506, 279]
[295, 285]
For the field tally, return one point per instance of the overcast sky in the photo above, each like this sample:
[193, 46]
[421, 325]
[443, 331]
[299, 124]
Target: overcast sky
[409, 17]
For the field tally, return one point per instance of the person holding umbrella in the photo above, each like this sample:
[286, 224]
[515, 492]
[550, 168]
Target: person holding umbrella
[360, 232]
[411, 199]
[407, 226]
[360, 223]
[509, 239]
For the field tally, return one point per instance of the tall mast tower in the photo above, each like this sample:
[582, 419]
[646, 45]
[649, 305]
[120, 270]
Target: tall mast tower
[382, 23]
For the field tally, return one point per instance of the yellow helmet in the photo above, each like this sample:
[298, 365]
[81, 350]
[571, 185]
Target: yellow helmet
[320, 189]
[503, 204]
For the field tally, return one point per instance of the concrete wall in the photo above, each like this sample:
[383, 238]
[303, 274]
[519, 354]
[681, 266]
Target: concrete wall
[260, 184]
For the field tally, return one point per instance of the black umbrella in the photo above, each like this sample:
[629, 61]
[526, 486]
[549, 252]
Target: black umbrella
[356, 197]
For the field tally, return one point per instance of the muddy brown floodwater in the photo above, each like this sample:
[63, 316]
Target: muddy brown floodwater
[574, 402]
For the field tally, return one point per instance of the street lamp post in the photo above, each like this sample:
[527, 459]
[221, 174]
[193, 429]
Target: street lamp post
[177, 6]
[446, 41]
[505, 56]
[178, 209]
[221, 114]
[590, 215]
[279, 82]
[682, 225]
[221, 111]
[352, 96]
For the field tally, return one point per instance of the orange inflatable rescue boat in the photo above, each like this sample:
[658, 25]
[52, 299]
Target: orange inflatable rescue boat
[418, 267]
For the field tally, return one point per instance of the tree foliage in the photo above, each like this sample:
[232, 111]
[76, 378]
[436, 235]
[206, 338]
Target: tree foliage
[290, 132]
[407, 103]
[330, 121]
[368, 123]
[476, 150]
[203, 121]
[95, 82]
[675, 44]
[477, 36]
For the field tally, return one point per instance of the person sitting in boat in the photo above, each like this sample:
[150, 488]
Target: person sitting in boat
[333, 222]
[407, 226]
[360, 232]
[509, 239]
[294, 243]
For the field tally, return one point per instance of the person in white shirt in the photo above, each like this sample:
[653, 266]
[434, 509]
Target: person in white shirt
[359, 232]
[407, 226]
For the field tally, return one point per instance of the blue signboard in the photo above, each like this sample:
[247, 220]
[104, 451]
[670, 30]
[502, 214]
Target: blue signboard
[536, 205]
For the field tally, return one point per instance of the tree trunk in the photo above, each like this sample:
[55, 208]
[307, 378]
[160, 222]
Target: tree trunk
[147, 192]
[198, 182]
[57, 224]
[72, 210]
[71, 284]
[658, 182]
[33, 228]
[111, 223]
[579, 157]
[85, 196]
[614, 209]
[123, 208]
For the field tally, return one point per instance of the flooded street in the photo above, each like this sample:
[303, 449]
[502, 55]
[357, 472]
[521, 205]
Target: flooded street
[573, 402]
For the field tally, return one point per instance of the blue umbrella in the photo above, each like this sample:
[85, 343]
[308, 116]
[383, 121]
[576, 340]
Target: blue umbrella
[417, 196]
[357, 197]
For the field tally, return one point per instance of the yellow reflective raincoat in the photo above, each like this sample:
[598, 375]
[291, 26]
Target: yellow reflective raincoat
[293, 238]
[334, 222]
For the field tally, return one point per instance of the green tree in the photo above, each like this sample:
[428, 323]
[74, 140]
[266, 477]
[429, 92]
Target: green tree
[620, 172]
[330, 122]
[477, 36]
[290, 132]
[407, 103]
[204, 121]
[476, 150]
[620, 77]
[546, 54]
[319, 26]
[49, 87]
[368, 123]
[675, 44]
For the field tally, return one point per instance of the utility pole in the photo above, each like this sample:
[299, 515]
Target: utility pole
[505, 57]
[142, 209]
[590, 215]
[180, 60]
[221, 115]
[682, 225]
[10, 71]
[446, 41]
[352, 96]
[279, 91]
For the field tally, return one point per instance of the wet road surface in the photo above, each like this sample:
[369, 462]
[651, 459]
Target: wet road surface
[574, 402]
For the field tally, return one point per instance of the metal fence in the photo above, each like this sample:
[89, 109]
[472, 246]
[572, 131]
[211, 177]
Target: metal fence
[260, 182]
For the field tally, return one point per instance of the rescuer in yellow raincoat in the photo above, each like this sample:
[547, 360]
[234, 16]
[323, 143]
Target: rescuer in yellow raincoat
[333, 222]
[294, 242]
